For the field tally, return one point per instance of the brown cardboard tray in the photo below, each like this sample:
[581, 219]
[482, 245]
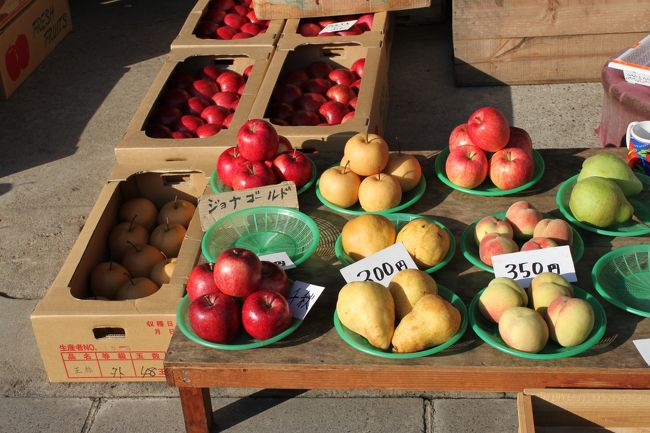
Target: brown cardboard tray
[274, 9]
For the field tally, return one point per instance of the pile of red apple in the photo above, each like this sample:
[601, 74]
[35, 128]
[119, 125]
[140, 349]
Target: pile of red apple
[320, 94]
[488, 146]
[230, 19]
[262, 157]
[239, 290]
[143, 248]
[310, 27]
[523, 224]
[197, 105]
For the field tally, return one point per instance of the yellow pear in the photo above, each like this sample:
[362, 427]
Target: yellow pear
[366, 234]
[432, 322]
[367, 308]
[407, 287]
[425, 241]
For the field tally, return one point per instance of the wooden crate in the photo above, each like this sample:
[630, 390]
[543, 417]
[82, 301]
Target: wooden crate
[582, 410]
[532, 42]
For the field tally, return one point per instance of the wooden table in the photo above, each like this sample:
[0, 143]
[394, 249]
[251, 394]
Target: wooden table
[314, 357]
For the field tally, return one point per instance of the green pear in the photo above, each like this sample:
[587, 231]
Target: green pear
[599, 202]
[610, 166]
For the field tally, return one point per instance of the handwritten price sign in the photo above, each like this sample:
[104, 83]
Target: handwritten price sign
[301, 297]
[381, 266]
[526, 265]
[338, 27]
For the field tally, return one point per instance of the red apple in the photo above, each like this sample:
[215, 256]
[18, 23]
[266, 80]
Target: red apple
[158, 131]
[280, 110]
[225, 32]
[274, 278]
[284, 146]
[227, 164]
[352, 31]
[174, 97]
[342, 76]
[353, 103]
[214, 15]
[265, 314]
[247, 71]
[222, 5]
[341, 93]
[287, 93]
[181, 135]
[204, 88]
[242, 35]
[309, 29]
[227, 121]
[310, 101]
[333, 112]
[257, 140]
[467, 166]
[237, 272]
[207, 130]
[316, 85]
[200, 282]
[520, 138]
[511, 167]
[196, 105]
[252, 28]
[166, 116]
[210, 72]
[241, 10]
[206, 28]
[459, 137]
[252, 17]
[304, 118]
[293, 166]
[319, 69]
[225, 99]
[297, 77]
[488, 129]
[365, 21]
[358, 66]
[355, 86]
[189, 123]
[215, 115]
[182, 80]
[235, 20]
[252, 174]
[347, 117]
[215, 317]
[230, 81]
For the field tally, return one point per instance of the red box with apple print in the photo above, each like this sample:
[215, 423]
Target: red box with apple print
[28, 38]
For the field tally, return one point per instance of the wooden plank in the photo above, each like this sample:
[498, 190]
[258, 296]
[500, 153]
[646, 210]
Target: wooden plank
[481, 19]
[525, 413]
[533, 60]
[197, 409]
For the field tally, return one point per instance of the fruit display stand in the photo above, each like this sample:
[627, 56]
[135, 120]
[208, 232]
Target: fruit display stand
[83, 339]
[315, 357]
[188, 41]
[375, 37]
[136, 143]
[372, 105]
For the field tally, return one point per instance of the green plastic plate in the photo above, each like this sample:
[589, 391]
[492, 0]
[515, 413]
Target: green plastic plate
[622, 277]
[489, 332]
[470, 249]
[218, 186]
[408, 199]
[641, 203]
[400, 220]
[487, 189]
[360, 343]
[244, 341]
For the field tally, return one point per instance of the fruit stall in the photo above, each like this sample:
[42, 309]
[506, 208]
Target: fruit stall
[259, 231]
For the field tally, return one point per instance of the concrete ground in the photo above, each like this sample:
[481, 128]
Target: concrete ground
[58, 134]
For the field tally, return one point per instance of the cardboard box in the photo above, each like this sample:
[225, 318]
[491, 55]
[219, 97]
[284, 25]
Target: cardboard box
[83, 340]
[530, 42]
[188, 41]
[10, 8]
[372, 38]
[28, 38]
[136, 143]
[583, 410]
[372, 105]
[278, 9]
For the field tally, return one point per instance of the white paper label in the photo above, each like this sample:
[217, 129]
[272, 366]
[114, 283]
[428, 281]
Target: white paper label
[338, 27]
[525, 265]
[381, 266]
[301, 297]
[643, 346]
[281, 259]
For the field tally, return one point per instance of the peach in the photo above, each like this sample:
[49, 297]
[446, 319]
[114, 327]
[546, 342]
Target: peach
[523, 329]
[523, 217]
[545, 287]
[556, 229]
[491, 224]
[537, 244]
[495, 244]
[500, 295]
[569, 320]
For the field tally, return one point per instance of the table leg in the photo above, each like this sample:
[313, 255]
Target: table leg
[197, 409]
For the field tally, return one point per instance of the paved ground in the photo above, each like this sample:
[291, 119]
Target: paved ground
[57, 137]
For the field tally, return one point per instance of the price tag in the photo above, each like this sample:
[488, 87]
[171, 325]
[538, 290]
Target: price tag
[381, 266]
[214, 206]
[338, 27]
[281, 259]
[525, 265]
[643, 346]
[301, 297]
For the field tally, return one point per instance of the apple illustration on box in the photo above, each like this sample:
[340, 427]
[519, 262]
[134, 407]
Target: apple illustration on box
[17, 57]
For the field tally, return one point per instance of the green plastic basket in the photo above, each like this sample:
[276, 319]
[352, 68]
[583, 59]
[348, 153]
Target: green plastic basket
[489, 331]
[263, 230]
[640, 202]
[218, 186]
[408, 199]
[487, 188]
[358, 342]
[622, 277]
[400, 220]
[470, 249]
[242, 342]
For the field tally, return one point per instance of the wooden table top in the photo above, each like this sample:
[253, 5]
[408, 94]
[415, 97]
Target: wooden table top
[316, 357]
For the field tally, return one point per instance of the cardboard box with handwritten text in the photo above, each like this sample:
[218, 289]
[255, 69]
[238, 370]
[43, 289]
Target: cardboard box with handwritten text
[88, 340]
